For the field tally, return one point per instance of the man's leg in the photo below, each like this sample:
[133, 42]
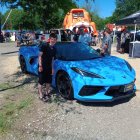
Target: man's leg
[40, 84]
[40, 91]
[48, 89]
[48, 82]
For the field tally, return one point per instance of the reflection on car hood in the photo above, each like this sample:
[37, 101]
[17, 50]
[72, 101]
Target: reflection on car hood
[105, 66]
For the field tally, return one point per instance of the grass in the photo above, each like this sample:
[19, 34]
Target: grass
[10, 112]
[5, 85]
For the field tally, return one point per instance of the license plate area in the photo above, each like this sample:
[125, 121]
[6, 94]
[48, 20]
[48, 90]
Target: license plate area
[128, 87]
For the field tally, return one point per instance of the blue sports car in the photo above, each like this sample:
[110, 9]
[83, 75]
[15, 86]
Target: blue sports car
[80, 72]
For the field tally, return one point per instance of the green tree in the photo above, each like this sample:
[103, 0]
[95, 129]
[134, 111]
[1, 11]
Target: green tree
[48, 12]
[125, 8]
[1, 18]
[98, 21]
[19, 19]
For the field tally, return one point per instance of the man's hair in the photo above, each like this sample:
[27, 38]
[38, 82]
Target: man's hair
[53, 35]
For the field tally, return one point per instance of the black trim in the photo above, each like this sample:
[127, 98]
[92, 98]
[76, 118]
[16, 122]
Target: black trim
[90, 90]
[114, 99]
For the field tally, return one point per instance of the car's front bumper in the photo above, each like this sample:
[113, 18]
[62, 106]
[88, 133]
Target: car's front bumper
[104, 94]
[92, 99]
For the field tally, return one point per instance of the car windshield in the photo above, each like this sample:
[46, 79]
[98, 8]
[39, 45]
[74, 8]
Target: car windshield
[73, 51]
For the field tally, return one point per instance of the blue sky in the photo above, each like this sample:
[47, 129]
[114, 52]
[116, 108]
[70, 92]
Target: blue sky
[104, 8]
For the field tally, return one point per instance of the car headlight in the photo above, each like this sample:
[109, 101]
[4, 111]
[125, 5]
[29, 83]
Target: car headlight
[128, 65]
[87, 74]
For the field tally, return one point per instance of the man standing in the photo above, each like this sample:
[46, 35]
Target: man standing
[106, 44]
[118, 37]
[46, 56]
[84, 37]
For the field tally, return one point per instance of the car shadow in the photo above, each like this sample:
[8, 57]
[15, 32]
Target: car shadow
[28, 80]
[9, 52]
[107, 104]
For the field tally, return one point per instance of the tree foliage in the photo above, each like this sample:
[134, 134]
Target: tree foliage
[47, 13]
[19, 19]
[125, 8]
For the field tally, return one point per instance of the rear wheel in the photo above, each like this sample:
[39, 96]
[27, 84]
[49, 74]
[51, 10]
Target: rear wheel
[64, 85]
[23, 65]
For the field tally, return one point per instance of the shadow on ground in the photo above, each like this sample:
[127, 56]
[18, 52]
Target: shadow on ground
[9, 52]
[25, 79]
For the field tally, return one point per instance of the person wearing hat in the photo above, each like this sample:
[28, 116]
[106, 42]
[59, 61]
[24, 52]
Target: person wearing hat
[84, 36]
[106, 43]
[123, 39]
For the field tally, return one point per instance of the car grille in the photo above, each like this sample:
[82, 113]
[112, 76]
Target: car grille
[114, 91]
[117, 91]
[90, 90]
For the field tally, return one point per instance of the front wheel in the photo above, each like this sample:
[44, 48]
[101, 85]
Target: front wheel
[64, 85]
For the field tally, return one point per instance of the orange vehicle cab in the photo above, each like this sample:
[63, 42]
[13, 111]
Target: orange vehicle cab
[79, 18]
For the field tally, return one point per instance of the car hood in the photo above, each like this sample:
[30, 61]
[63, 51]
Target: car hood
[107, 67]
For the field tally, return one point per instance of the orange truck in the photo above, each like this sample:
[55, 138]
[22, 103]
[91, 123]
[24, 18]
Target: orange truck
[77, 18]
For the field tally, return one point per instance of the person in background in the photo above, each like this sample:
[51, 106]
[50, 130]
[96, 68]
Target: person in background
[118, 37]
[1, 37]
[123, 38]
[46, 56]
[106, 44]
[84, 36]
[99, 37]
[19, 39]
[75, 37]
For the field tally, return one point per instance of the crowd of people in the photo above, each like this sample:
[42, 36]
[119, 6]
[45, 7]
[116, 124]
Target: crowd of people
[5, 36]
[123, 38]
[104, 39]
[27, 38]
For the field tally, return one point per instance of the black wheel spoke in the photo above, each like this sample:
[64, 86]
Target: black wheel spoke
[64, 85]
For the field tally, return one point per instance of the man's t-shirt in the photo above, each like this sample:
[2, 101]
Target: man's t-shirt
[48, 54]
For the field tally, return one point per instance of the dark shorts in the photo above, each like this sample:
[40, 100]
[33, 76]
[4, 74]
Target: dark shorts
[45, 76]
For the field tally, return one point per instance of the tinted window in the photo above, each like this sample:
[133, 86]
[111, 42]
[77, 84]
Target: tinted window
[54, 31]
[78, 14]
[73, 51]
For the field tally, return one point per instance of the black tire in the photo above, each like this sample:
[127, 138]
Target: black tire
[23, 65]
[64, 85]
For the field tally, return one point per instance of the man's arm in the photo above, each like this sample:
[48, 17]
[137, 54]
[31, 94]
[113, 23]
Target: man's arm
[40, 59]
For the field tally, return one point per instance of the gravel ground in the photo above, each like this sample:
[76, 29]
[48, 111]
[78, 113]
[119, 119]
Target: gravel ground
[8, 60]
[72, 120]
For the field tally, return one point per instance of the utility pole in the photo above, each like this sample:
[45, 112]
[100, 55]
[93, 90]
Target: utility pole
[6, 19]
